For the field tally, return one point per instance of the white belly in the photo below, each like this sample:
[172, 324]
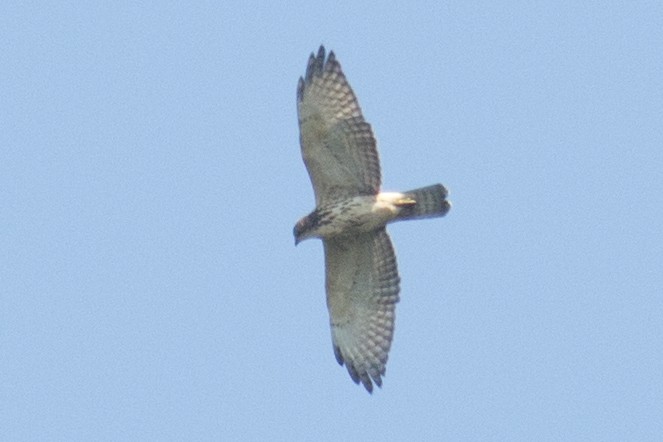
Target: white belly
[356, 215]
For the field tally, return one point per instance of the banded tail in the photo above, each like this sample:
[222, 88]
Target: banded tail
[429, 202]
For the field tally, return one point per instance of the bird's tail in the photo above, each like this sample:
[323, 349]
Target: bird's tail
[426, 202]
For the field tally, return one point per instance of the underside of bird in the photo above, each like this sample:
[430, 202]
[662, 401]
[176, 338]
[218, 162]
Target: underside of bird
[361, 279]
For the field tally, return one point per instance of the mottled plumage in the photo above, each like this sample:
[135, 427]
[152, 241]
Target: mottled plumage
[362, 281]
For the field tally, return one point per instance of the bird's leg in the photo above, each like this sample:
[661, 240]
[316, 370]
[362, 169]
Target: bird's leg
[405, 202]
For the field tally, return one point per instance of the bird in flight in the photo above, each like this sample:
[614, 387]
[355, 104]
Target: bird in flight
[350, 216]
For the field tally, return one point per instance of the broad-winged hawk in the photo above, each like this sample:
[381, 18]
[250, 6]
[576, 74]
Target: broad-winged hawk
[351, 213]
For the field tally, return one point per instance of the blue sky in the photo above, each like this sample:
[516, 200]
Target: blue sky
[150, 177]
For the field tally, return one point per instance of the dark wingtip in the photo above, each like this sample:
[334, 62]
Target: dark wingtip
[317, 64]
[365, 377]
[338, 355]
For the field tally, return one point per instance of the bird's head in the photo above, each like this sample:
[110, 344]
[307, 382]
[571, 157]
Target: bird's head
[304, 229]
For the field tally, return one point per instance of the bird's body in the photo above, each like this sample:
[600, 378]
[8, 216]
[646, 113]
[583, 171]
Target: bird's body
[359, 214]
[350, 217]
[366, 213]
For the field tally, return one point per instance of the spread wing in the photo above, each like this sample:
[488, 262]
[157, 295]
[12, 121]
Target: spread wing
[337, 144]
[362, 292]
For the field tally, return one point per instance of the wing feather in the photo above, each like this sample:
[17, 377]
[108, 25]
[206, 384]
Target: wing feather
[362, 291]
[337, 144]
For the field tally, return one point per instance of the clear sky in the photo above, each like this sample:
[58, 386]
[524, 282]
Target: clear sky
[150, 177]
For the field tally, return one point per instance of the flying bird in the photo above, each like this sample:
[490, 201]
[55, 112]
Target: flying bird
[350, 216]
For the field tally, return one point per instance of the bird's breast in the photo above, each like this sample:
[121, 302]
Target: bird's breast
[354, 215]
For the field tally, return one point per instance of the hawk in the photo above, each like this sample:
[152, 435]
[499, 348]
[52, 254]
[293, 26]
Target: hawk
[350, 217]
